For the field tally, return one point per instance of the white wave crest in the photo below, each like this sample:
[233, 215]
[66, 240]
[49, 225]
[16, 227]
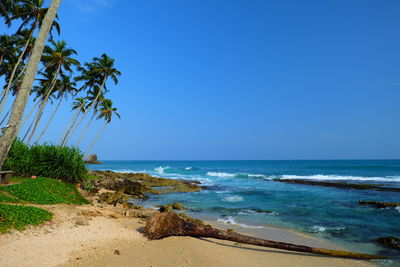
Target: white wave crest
[221, 174]
[231, 220]
[342, 178]
[233, 199]
[320, 229]
[189, 168]
[237, 175]
[160, 170]
[398, 209]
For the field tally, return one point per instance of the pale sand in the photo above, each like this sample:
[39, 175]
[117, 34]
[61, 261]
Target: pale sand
[90, 236]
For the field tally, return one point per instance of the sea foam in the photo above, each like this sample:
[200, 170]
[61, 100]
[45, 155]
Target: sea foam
[233, 199]
[230, 220]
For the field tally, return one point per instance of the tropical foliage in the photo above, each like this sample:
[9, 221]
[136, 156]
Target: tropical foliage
[64, 163]
[61, 81]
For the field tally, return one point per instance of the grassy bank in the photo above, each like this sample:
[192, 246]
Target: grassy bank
[33, 191]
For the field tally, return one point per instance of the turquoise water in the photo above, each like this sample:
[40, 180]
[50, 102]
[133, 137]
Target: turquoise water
[237, 189]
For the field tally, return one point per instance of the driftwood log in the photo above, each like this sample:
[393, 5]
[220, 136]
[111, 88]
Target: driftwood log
[170, 224]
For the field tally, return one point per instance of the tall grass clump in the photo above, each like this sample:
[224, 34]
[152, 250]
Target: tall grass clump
[64, 163]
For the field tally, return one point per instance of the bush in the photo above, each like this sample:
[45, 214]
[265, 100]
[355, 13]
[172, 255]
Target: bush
[65, 163]
[45, 191]
[12, 216]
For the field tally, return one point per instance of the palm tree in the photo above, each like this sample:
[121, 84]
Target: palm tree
[79, 106]
[106, 112]
[32, 13]
[56, 60]
[8, 49]
[95, 74]
[92, 98]
[10, 133]
[7, 8]
[64, 87]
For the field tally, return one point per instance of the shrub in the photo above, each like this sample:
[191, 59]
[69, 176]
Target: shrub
[12, 216]
[45, 191]
[65, 163]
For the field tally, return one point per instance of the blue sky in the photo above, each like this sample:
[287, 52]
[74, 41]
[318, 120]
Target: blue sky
[230, 79]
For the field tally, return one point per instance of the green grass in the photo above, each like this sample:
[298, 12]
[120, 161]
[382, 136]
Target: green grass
[17, 217]
[7, 199]
[45, 191]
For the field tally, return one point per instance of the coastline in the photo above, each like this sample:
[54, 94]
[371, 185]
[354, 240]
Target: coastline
[91, 235]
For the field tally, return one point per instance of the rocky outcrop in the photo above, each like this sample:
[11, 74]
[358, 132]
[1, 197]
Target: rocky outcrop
[113, 198]
[150, 184]
[92, 159]
[390, 241]
[170, 207]
[341, 185]
[380, 205]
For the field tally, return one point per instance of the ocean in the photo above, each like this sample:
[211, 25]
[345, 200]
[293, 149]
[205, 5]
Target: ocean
[244, 193]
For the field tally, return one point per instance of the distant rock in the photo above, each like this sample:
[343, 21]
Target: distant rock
[92, 159]
[390, 241]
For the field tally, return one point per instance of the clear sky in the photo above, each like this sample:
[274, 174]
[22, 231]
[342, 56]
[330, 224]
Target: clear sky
[230, 79]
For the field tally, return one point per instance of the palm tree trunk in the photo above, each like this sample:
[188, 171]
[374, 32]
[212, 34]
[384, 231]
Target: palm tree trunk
[51, 118]
[10, 82]
[10, 133]
[90, 107]
[69, 126]
[27, 117]
[43, 105]
[84, 131]
[95, 140]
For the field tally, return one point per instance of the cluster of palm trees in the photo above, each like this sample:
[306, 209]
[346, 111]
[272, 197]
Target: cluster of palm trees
[59, 76]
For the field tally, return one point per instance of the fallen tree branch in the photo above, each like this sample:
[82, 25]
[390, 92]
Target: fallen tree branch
[170, 224]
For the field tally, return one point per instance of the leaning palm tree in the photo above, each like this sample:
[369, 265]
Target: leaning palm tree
[106, 112]
[79, 106]
[94, 74]
[10, 133]
[64, 87]
[92, 98]
[32, 14]
[56, 60]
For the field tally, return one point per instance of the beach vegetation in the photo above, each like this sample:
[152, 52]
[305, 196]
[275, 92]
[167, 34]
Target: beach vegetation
[44, 191]
[17, 217]
[64, 163]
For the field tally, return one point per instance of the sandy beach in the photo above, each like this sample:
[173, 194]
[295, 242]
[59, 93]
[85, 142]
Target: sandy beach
[106, 236]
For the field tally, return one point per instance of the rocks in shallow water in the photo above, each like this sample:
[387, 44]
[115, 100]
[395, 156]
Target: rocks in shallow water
[390, 241]
[170, 207]
[380, 205]
[341, 185]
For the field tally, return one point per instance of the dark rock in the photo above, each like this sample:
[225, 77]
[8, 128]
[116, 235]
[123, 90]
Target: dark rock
[390, 241]
[116, 252]
[380, 205]
[341, 185]
[92, 159]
